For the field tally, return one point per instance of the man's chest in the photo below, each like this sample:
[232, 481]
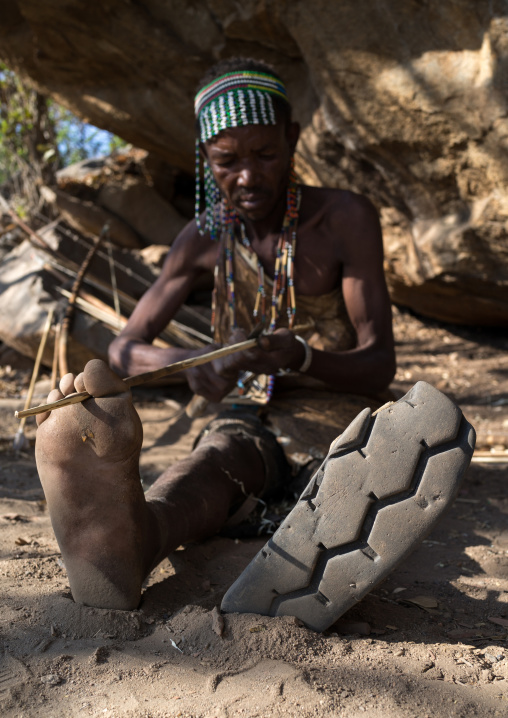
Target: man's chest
[314, 268]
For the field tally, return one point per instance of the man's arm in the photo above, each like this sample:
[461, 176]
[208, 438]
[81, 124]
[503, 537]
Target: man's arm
[370, 366]
[132, 351]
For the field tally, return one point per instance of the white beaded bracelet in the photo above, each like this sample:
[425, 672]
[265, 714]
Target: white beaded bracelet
[308, 355]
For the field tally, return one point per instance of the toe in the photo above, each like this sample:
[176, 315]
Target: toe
[79, 382]
[99, 380]
[53, 395]
[67, 384]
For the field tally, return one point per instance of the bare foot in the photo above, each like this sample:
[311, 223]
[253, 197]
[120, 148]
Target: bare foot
[88, 460]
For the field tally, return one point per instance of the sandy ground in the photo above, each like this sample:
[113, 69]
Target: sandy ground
[430, 641]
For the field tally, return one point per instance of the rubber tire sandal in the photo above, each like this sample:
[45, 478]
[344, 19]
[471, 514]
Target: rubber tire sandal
[386, 481]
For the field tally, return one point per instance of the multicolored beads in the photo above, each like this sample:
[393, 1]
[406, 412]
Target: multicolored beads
[236, 99]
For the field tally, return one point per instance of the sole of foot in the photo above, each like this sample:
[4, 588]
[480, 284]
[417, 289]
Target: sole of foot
[386, 481]
[88, 462]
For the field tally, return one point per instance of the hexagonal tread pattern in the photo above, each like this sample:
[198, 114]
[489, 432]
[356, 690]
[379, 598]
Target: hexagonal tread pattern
[384, 484]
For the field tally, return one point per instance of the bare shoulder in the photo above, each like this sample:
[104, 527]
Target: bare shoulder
[349, 220]
[191, 252]
[349, 207]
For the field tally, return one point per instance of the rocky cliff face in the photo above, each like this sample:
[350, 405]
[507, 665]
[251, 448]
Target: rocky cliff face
[404, 100]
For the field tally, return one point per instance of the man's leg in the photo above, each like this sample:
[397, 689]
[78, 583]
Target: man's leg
[192, 499]
[109, 534]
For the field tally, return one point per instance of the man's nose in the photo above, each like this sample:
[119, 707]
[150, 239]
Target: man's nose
[247, 177]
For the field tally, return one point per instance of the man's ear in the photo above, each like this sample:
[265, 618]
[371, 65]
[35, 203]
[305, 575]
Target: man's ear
[292, 135]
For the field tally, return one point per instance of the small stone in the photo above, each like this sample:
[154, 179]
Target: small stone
[427, 666]
[257, 629]
[217, 621]
[52, 679]
[100, 655]
[434, 674]
[294, 621]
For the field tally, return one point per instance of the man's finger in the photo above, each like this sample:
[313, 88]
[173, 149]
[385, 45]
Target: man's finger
[237, 336]
[229, 367]
[278, 341]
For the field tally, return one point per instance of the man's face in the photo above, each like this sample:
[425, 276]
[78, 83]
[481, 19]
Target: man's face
[251, 166]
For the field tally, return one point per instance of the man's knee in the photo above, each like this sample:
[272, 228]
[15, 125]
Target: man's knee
[246, 433]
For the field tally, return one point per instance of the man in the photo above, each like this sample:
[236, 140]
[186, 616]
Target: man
[307, 260]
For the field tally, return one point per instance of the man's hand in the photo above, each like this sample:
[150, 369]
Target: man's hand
[215, 380]
[206, 381]
[279, 350]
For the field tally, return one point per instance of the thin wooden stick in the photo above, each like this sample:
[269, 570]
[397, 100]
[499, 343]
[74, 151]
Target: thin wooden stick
[490, 457]
[147, 376]
[40, 353]
[97, 309]
[33, 235]
[175, 334]
[197, 405]
[35, 372]
[69, 310]
[54, 366]
[112, 273]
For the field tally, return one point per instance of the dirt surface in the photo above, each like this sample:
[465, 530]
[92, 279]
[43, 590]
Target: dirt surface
[430, 641]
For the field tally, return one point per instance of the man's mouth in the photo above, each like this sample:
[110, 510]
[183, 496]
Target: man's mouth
[250, 199]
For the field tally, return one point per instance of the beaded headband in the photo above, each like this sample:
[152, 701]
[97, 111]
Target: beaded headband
[237, 99]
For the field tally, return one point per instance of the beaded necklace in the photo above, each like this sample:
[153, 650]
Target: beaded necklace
[283, 279]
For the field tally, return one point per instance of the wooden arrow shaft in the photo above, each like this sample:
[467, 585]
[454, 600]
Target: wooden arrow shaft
[147, 376]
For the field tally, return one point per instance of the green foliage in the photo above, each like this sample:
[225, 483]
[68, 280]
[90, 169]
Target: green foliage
[38, 136]
[77, 140]
[17, 109]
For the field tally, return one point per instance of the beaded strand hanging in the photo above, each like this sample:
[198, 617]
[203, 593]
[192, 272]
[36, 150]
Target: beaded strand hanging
[283, 280]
